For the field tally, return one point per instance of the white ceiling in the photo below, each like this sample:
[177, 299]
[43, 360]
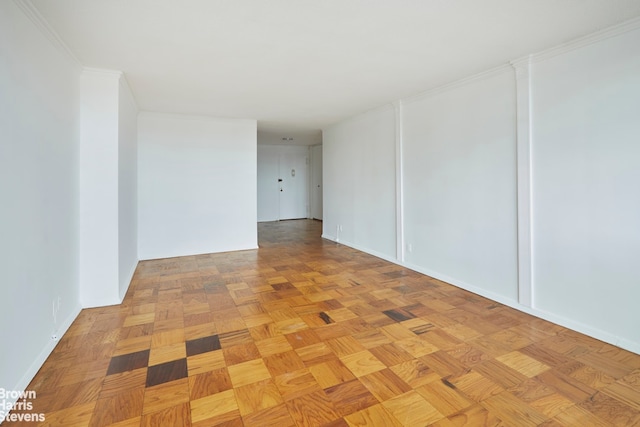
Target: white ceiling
[299, 65]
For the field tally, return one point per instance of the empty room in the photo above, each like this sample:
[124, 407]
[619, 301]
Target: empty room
[320, 213]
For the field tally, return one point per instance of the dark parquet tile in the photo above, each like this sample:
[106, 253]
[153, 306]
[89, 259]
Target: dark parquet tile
[128, 362]
[203, 345]
[166, 372]
[326, 318]
[399, 315]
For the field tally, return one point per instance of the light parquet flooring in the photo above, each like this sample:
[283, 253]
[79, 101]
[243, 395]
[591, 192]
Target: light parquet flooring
[306, 332]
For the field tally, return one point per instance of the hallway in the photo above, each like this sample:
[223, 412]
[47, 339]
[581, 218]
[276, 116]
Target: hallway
[307, 332]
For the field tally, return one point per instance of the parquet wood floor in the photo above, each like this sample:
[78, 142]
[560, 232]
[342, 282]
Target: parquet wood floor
[306, 332]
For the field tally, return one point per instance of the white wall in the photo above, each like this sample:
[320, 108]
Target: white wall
[534, 204]
[108, 193]
[39, 223]
[127, 187]
[459, 183]
[196, 185]
[99, 276]
[586, 186]
[359, 182]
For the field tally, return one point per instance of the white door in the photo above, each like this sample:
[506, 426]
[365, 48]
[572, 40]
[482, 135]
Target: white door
[316, 182]
[293, 182]
[283, 182]
[268, 188]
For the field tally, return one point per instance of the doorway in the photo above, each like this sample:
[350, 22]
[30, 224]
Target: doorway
[283, 182]
[293, 180]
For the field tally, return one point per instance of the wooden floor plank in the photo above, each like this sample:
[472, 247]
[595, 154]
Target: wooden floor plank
[307, 332]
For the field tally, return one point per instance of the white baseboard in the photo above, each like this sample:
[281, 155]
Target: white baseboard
[362, 249]
[542, 314]
[550, 317]
[35, 366]
[123, 292]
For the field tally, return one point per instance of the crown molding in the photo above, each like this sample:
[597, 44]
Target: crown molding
[522, 64]
[31, 12]
[192, 117]
[113, 73]
[127, 88]
[522, 67]
[501, 69]
[598, 36]
[389, 106]
[118, 76]
[505, 68]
